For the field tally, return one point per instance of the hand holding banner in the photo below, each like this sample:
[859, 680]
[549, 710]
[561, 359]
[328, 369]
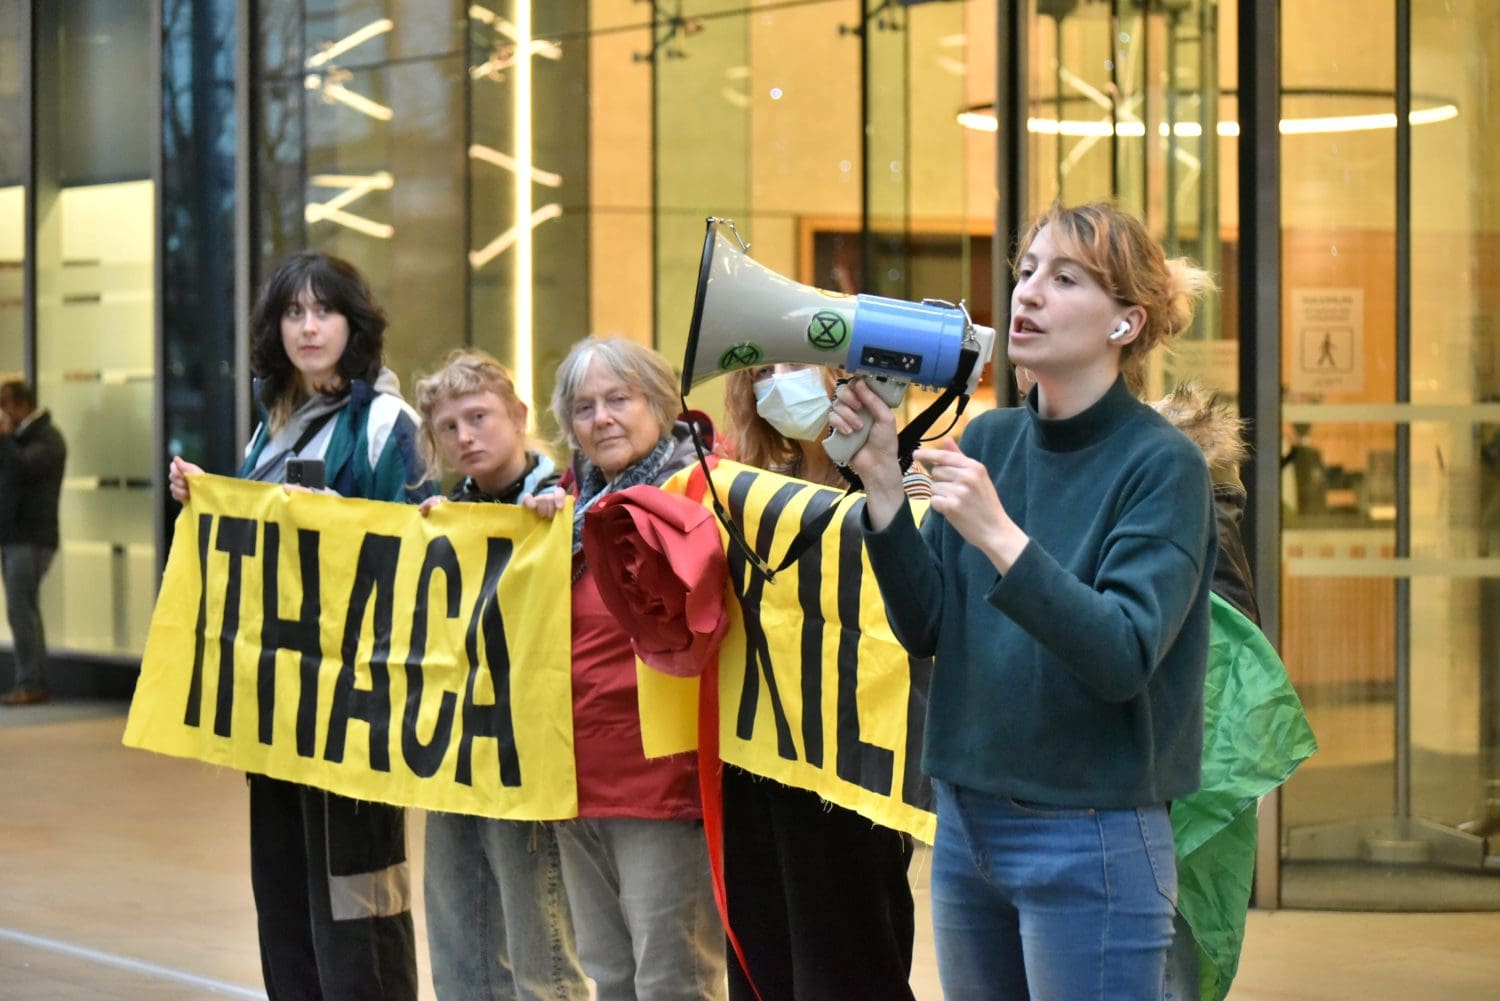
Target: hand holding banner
[359, 647]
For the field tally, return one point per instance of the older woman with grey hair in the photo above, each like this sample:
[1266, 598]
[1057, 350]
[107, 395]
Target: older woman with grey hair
[634, 862]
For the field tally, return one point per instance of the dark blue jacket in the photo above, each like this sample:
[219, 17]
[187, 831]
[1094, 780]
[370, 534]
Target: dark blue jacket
[31, 473]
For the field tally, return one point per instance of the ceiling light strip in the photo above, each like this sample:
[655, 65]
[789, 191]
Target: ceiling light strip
[985, 121]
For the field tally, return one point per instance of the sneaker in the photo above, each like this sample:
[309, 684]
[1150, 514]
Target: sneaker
[24, 697]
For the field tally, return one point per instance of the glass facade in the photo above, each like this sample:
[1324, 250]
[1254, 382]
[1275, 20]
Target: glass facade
[1389, 330]
[361, 132]
[202, 381]
[1136, 102]
[92, 357]
[15, 100]
[515, 175]
[532, 173]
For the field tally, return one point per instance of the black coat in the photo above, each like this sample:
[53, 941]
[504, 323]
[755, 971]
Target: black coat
[31, 473]
[1232, 569]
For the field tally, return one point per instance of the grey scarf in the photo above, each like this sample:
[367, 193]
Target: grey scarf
[592, 484]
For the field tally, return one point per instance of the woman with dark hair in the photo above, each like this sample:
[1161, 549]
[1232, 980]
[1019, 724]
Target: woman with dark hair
[330, 875]
[317, 348]
[1061, 583]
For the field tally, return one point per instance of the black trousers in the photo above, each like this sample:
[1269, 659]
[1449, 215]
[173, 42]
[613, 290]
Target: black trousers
[818, 897]
[332, 895]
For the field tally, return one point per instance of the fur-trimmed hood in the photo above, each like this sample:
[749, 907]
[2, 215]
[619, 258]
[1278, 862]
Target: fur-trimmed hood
[1212, 425]
[1217, 430]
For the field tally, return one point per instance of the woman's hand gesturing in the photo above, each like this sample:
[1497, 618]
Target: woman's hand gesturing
[964, 494]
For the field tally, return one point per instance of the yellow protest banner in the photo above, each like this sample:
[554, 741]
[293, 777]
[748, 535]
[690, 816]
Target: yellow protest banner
[362, 648]
[814, 690]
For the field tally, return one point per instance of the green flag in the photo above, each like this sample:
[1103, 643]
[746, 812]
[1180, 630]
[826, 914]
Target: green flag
[1255, 734]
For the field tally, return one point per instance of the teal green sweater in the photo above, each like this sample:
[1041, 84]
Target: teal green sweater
[1076, 679]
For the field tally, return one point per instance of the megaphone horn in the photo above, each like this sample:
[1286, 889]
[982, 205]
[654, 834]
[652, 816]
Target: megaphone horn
[745, 314]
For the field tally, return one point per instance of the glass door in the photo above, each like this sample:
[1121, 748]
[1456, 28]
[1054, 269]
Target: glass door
[1135, 102]
[1391, 461]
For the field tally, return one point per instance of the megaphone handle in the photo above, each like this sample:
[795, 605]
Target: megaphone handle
[840, 446]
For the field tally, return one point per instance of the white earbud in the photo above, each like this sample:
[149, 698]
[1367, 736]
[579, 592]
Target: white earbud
[1123, 330]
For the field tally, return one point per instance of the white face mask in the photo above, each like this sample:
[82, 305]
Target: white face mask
[794, 403]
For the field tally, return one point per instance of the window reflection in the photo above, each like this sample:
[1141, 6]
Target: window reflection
[1388, 566]
[12, 277]
[1131, 108]
[95, 315]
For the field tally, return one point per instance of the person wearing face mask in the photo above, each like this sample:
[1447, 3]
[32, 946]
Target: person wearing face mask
[794, 400]
[817, 895]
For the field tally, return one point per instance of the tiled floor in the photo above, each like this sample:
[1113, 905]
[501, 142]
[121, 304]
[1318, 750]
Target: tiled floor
[123, 876]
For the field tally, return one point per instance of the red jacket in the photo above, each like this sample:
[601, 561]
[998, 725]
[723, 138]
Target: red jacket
[615, 779]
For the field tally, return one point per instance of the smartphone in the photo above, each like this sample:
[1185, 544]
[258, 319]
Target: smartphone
[306, 473]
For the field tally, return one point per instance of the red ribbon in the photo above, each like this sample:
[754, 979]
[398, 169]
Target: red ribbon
[710, 771]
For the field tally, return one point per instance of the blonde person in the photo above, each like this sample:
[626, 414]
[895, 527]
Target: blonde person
[635, 862]
[330, 876]
[497, 917]
[817, 895]
[1061, 581]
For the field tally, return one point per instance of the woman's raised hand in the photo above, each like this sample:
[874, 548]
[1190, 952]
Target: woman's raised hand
[964, 494]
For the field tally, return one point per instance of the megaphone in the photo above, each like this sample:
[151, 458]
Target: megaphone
[745, 314]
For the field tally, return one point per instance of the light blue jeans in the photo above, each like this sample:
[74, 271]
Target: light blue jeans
[497, 917]
[643, 907]
[1050, 904]
[23, 566]
[1181, 982]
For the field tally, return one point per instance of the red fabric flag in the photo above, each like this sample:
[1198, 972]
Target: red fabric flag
[660, 567]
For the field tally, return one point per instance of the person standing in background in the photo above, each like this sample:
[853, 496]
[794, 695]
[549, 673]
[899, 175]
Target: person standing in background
[32, 456]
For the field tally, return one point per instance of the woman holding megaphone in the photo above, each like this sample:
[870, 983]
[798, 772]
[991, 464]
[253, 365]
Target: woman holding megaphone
[1061, 583]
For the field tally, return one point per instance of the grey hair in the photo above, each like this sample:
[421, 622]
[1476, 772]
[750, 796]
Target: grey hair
[635, 364]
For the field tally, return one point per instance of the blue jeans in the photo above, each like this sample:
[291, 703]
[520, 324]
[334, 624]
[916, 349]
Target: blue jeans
[1181, 982]
[23, 567]
[1052, 904]
[497, 918]
[643, 907]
